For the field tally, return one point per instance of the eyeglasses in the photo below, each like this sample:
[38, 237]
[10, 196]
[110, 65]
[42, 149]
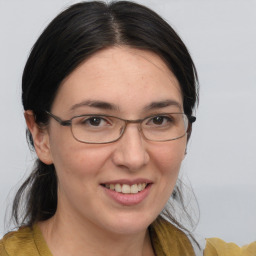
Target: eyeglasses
[102, 129]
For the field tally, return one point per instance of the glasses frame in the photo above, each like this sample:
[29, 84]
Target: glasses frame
[191, 119]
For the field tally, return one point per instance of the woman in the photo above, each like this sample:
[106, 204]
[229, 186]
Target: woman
[108, 93]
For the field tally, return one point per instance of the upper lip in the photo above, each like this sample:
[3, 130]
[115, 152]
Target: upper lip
[128, 181]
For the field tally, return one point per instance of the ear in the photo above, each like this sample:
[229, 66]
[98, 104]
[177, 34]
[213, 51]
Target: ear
[40, 138]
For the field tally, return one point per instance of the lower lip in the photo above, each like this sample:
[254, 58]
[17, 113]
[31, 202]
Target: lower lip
[128, 199]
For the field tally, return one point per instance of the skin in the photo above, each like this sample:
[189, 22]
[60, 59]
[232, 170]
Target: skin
[87, 219]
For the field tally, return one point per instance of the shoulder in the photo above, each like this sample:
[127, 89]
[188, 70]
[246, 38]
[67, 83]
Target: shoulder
[217, 247]
[2, 251]
[18, 243]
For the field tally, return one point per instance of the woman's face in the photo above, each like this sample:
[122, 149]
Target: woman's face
[131, 84]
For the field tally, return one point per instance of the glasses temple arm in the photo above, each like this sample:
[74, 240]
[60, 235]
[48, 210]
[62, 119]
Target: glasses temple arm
[61, 122]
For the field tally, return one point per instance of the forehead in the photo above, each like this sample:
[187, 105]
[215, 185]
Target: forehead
[125, 77]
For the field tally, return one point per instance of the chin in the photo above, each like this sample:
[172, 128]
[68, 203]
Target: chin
[130, 223]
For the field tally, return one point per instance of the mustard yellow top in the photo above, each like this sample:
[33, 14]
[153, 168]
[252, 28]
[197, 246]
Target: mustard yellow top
[167, 240]
[217, 247]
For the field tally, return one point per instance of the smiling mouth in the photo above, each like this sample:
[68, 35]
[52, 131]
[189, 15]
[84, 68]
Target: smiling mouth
[125, 188]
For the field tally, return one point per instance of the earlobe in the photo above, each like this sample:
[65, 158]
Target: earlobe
[40, 138]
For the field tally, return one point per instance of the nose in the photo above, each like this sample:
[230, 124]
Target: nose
[130, 152]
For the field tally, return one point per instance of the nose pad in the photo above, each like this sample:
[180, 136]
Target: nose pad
[140, 130]
[131, 151]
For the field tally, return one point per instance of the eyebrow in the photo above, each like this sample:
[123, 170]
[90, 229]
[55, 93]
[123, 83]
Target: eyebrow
[95, 104]
[108, 106]
[162, 104]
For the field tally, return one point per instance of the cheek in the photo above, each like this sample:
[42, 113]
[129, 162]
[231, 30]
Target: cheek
[74, 158]
[169, 155]
[80, 161]
[78, 170]
[168, 159]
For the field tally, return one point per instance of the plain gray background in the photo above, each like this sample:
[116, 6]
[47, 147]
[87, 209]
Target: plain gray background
[221, 159]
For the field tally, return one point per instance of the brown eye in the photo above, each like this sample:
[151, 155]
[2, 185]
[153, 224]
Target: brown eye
[158, 120]
[94, 121]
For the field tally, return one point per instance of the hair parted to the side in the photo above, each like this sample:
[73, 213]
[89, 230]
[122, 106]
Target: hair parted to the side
[72, 37]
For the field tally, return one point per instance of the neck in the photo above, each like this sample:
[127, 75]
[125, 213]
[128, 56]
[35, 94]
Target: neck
[65, 235]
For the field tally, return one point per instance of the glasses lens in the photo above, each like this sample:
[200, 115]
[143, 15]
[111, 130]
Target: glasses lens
[105, 129]
[97, 129]
[165, 127]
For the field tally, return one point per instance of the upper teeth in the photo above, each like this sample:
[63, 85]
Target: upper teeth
[127, 189]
